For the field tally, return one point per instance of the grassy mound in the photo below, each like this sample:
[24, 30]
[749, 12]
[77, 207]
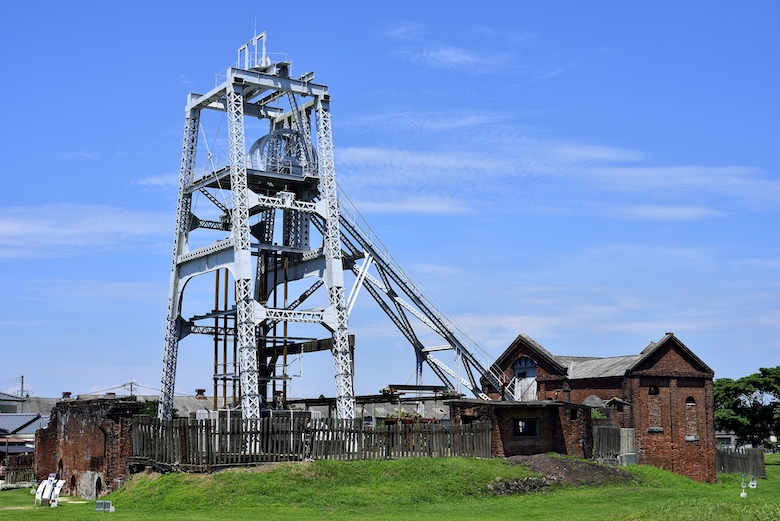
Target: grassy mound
[320, 484]
[431, 489]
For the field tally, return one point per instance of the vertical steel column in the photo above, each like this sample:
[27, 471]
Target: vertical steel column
[216, 336]
[334, 275]
[245, 324]
[183, 215]
[225, 347]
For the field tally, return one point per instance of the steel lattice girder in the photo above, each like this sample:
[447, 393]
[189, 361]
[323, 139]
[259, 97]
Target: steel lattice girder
[247, 93]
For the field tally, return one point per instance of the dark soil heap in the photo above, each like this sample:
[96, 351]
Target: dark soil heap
[572, 471]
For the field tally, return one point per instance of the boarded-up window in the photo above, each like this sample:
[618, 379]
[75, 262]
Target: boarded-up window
[691, 419]
[654, 407]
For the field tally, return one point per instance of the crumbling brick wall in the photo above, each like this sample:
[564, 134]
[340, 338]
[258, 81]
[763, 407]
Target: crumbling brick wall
[561, 427]
[88, 443]
[576, 430]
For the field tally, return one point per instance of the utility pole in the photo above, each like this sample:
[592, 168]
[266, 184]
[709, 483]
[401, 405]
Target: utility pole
[21, 392]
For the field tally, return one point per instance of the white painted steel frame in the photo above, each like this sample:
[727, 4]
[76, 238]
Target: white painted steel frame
[247, 93]
[234, 97]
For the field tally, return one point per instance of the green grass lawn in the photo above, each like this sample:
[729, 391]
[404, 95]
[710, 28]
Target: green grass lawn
[411, 489]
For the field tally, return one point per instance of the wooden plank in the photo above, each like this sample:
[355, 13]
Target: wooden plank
[202, 444]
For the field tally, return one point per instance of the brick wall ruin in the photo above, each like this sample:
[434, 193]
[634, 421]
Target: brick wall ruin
[555, 426]
[88, 443]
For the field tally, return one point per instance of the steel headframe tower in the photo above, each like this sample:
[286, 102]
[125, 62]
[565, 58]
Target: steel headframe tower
[289, 171]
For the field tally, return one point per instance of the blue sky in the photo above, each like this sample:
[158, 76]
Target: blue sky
[591, 174]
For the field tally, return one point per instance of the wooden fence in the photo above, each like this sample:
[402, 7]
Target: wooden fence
[613, 444]
[205, 445]
[606, 442]
[19, 469]
[741, 461]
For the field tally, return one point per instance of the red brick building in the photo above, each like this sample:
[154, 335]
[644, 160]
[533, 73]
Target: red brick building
[664, 393]
[88, 443]
[530, 427]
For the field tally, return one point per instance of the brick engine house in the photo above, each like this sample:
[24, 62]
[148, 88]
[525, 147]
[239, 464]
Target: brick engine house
[664, 393]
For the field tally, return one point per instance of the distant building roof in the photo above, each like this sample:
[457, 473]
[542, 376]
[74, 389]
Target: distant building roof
[40, 423]
[5, 397]
[183, 404]
[22, 423]
[42, 406]
[18, 447]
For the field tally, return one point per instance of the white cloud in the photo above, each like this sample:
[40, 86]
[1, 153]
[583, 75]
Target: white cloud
[393, 121]
[513, 36]
[68, 290]
[556, 71]
[69, 229]
[578, 153]
[80, 155]
[762, 263]
[159, 181]
[440, 56]
[418, 48]
[390, 167]
[428, 205]
[539, 175]
[403, 30]
[446, 57]
[739, 181]
[663, 213]
[591, 312]
[437, 270]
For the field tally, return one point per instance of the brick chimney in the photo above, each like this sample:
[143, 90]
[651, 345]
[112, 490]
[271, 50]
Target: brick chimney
[200, 394]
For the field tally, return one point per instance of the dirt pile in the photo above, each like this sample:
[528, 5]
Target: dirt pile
[572, 471]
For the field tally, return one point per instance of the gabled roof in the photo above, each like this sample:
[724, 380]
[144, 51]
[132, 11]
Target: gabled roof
[584, 367]
[669, 337]
[535, 348]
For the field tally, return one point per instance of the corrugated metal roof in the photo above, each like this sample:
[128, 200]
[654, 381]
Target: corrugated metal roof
[586, 367]
[17, 423]
[40, 423]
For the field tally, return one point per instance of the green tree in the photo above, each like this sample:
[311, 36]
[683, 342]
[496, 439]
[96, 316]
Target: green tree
[150, 407]
[750, 406]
